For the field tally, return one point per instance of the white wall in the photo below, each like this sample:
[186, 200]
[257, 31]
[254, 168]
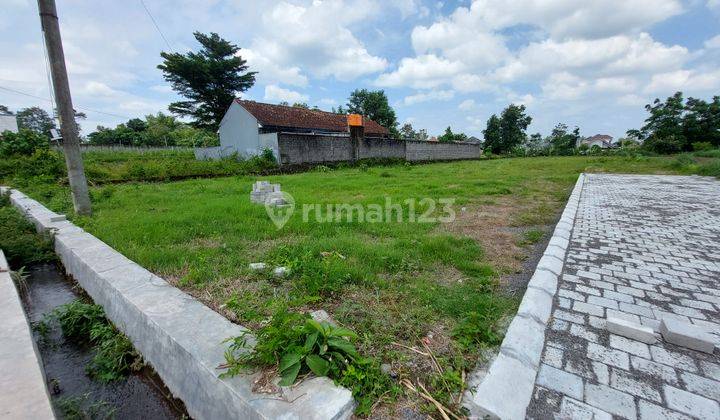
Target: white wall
[239, 131]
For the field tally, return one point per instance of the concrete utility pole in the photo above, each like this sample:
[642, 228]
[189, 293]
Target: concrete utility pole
[68, 128]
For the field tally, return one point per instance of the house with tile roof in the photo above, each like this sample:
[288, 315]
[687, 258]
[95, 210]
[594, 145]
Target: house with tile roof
[250, 127]
[603, 141]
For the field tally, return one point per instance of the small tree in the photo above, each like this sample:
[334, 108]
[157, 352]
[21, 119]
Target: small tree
[374, 105]
[408, 132]
[210, 79]
[564, 142]
[513, 125]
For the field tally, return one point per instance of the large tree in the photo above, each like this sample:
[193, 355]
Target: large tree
[210, 79]
[36, 119]
[374, 105]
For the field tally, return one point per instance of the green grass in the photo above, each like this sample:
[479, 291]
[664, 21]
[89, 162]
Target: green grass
[392, 283]
[19, 241]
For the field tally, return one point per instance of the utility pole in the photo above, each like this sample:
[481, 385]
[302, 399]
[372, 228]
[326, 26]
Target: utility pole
[61, 87]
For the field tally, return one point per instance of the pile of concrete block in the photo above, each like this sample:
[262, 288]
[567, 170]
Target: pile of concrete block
[264, 192]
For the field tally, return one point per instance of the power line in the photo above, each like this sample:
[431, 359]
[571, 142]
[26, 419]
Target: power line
[76, 106]
[156, 25]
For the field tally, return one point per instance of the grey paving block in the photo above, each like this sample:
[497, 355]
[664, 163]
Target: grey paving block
[692, 404]
[630, 330]
[611, 400]
[650, 411]
[560, 381]
[577, 410]
[686, 335]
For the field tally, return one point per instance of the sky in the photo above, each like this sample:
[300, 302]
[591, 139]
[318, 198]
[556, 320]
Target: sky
[592, 64]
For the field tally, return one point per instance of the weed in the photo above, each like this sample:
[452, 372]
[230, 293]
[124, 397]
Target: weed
[532, 236]
[81, 407]
[86, 323]
[296, 345]
[477, 328]
[21, 243]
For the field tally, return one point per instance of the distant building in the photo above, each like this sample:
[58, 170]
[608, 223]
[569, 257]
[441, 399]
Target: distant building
[603, 141]
[473, 139]
[8, 122]
[250, 127]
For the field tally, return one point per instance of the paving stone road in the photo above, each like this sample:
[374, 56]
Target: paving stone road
[642, 248]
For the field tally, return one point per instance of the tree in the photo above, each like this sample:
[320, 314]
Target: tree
[210, 79]
[493, 135]
[564, 142]
[664, 122]
[36, 119]
[422, 135]
[513, 124]
[701, 122]
[535, 145]
[339, 110]
[5, 110]
[449, 136]
[408, 132]
[302, 105]
[374, 105]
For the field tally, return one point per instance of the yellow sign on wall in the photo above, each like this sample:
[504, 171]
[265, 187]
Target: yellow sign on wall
[355, 120]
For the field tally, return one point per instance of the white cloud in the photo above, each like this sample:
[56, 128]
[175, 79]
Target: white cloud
[422, 72]
[713, 42]
[277, 94]
[467, 105]
[315, 38]
[433, 95]
[685, 80]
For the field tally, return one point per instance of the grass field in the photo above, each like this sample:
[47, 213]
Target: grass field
[438, 287]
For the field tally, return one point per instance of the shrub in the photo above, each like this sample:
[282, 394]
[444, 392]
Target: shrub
[24, 142]
[701, 146]
[86, 323]
[663, 145]
[296, 344]
[683, 161]
[19, 240]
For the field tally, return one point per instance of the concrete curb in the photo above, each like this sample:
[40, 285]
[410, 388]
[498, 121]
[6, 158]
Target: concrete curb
[505, 390]
[177, 335]
[22, 377]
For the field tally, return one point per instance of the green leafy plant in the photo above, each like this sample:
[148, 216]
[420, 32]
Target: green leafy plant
[86, 323]
[297, 345]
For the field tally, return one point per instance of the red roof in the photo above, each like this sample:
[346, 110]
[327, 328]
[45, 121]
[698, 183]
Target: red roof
[289, 116]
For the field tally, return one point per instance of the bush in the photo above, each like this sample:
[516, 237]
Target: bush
[19, 240]
[296, 345]
[24, 142]
[86, 323]
[701, 146]
[663, 145]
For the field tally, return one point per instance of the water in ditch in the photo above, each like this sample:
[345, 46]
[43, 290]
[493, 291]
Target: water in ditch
[75, 394]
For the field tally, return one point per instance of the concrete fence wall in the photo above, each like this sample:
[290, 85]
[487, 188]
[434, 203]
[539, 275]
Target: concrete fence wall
[427, 151]
[136, 149]
[295, 148]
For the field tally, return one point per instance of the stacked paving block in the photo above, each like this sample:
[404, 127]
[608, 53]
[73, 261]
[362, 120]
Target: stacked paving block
[264, 192]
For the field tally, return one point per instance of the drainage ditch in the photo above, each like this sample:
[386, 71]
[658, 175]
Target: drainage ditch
[141, 394]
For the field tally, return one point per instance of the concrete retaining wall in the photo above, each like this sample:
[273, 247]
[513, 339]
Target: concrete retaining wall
[22, 380]
[298, 148]
[505, 389]
[177, 335]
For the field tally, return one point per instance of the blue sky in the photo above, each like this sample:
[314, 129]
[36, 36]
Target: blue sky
[591, 63]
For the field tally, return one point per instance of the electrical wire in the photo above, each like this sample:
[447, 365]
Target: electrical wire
[156, 25]
[76, 106]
